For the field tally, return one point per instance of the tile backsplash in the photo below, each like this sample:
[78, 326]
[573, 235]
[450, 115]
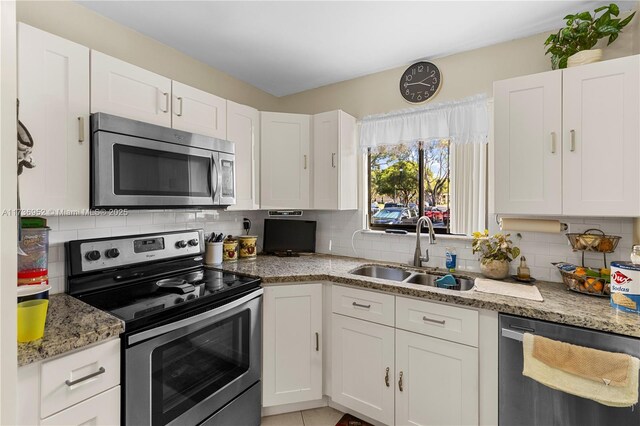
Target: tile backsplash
[66, 228]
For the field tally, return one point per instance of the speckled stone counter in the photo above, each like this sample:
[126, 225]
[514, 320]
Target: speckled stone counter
[560, 305]
[71, 324]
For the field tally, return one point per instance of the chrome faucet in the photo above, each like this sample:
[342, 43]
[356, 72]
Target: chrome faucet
[417, 256]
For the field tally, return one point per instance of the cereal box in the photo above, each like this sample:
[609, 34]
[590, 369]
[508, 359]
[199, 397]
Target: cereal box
[625, 286]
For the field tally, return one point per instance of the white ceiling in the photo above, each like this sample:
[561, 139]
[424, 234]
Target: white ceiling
[288, 47]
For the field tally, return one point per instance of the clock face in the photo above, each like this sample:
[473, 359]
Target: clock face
[420, 82]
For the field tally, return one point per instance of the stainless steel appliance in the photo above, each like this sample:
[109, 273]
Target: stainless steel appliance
[523, 401]
[141, 165]
[191, 350]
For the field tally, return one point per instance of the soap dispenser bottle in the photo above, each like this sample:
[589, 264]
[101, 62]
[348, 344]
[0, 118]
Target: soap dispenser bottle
[523, 270]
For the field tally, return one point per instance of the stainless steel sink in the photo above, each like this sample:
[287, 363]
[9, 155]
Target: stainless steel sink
[383, 272]
[462, 283]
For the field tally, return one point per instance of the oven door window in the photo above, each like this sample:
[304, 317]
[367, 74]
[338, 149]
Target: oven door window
[187, 370]
[142, 171]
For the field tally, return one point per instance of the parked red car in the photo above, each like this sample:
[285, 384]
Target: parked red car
[434, 214]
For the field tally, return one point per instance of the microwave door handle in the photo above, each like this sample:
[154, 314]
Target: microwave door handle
[219, 186]
[214, 176]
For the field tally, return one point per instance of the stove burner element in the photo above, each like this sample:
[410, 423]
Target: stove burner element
[175, 285]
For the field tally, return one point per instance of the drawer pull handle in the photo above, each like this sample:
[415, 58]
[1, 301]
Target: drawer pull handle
[317, 341]
[432, 320]
[400, 383]
[386, 377]
[70, 383]
[80, 129]
[572, 140]
[358, 305]
[553, 142]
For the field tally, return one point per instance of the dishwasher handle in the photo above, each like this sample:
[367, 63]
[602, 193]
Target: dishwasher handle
[512, 334]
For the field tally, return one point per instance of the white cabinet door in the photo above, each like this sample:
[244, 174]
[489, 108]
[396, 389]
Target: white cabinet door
[123, 89]
[102, 409]
[53, 89]
[292, 356]
[198, 112]
[285, 161]
[602, 138]
[439, 381]
[326, 147]
[362, 365]
[335, 167]
[243, 128]
[528, 139]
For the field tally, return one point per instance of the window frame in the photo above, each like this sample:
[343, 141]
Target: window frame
[421, 197]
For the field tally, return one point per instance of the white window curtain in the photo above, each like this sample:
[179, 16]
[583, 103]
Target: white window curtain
[468, 187]
[465, 123]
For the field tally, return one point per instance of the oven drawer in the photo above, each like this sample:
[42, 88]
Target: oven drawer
[363, 304]
[438, 320]
[103, 409]
[79, 376]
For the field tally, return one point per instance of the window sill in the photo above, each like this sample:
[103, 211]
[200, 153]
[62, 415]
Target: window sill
[424, 234]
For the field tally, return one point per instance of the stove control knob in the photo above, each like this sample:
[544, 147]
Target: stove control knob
[193, 242]
[191, 296]
[92, 255]
[112, 253]
[179, 300]
[181, 244]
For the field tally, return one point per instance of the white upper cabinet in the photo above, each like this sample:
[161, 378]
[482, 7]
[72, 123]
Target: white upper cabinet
[243, 129]
[292, 355]
[53, 89]
[335, 174]
[602, 138]
[585, 166]
[125, 90]
[198, 112]
[528, 151]
[285, 161]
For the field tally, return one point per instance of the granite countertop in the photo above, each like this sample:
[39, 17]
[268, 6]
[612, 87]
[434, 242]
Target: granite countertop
[71, 324]
[560, 305]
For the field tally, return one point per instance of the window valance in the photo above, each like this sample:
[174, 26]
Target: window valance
[462, 122]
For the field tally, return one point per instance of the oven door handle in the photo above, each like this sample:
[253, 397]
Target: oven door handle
[155, 332]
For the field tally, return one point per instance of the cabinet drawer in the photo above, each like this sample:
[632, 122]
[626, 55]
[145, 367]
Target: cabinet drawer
[366, 305]
[103, 409]
[438, 320]
[58, 390]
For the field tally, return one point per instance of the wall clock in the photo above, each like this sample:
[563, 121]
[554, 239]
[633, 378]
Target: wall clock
[420, 82]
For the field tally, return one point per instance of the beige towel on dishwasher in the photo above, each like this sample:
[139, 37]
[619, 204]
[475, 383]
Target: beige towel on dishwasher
[605, 377]
[522, 291]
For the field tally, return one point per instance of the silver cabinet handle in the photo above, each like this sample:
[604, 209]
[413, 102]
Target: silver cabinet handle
[400, 383]
[553, 142]
[386, 377]
[358, 305]
[572, 140]
[180, 101]
[80, 129]
[166, 102]
[432, 320]
[70, 383]
[333, 160]
[317, 341]
[305, 162]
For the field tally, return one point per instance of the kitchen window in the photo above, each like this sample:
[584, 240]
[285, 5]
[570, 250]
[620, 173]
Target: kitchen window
[407, 182]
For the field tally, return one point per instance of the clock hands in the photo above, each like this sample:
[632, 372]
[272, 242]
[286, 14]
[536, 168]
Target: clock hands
[417, 82]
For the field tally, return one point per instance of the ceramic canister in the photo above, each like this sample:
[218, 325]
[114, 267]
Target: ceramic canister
[230, 251]
[248, 246]
[625, 286]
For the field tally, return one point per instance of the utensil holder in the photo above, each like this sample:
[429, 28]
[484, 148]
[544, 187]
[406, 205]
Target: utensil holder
[213, 253]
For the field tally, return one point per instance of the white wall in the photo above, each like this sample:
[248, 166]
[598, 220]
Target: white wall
[66, 228]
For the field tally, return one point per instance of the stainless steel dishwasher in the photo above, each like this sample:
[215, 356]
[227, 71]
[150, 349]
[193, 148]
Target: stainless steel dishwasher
[523, 401]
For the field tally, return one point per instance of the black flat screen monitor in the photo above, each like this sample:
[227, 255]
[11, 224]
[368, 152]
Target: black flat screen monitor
[287, 235]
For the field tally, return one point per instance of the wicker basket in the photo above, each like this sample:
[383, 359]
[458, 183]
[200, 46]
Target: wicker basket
[593, 286]
[594, 242]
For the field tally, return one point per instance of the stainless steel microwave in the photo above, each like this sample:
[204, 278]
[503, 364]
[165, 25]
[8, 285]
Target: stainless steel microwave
[140, 165]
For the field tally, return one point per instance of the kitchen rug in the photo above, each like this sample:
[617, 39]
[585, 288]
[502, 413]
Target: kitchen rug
[530, 292]
[349, 420]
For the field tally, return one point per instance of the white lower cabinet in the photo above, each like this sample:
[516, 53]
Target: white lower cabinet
[437, 381]
[292, 336]
[102, 409]
[363, 375]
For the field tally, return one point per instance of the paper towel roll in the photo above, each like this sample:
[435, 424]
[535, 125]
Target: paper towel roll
[531, 225]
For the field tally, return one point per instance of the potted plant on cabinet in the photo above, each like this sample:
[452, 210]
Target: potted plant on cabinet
[573, 44]
[496, 253]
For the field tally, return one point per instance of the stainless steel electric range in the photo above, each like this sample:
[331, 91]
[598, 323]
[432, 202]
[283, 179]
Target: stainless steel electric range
[191, 347]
